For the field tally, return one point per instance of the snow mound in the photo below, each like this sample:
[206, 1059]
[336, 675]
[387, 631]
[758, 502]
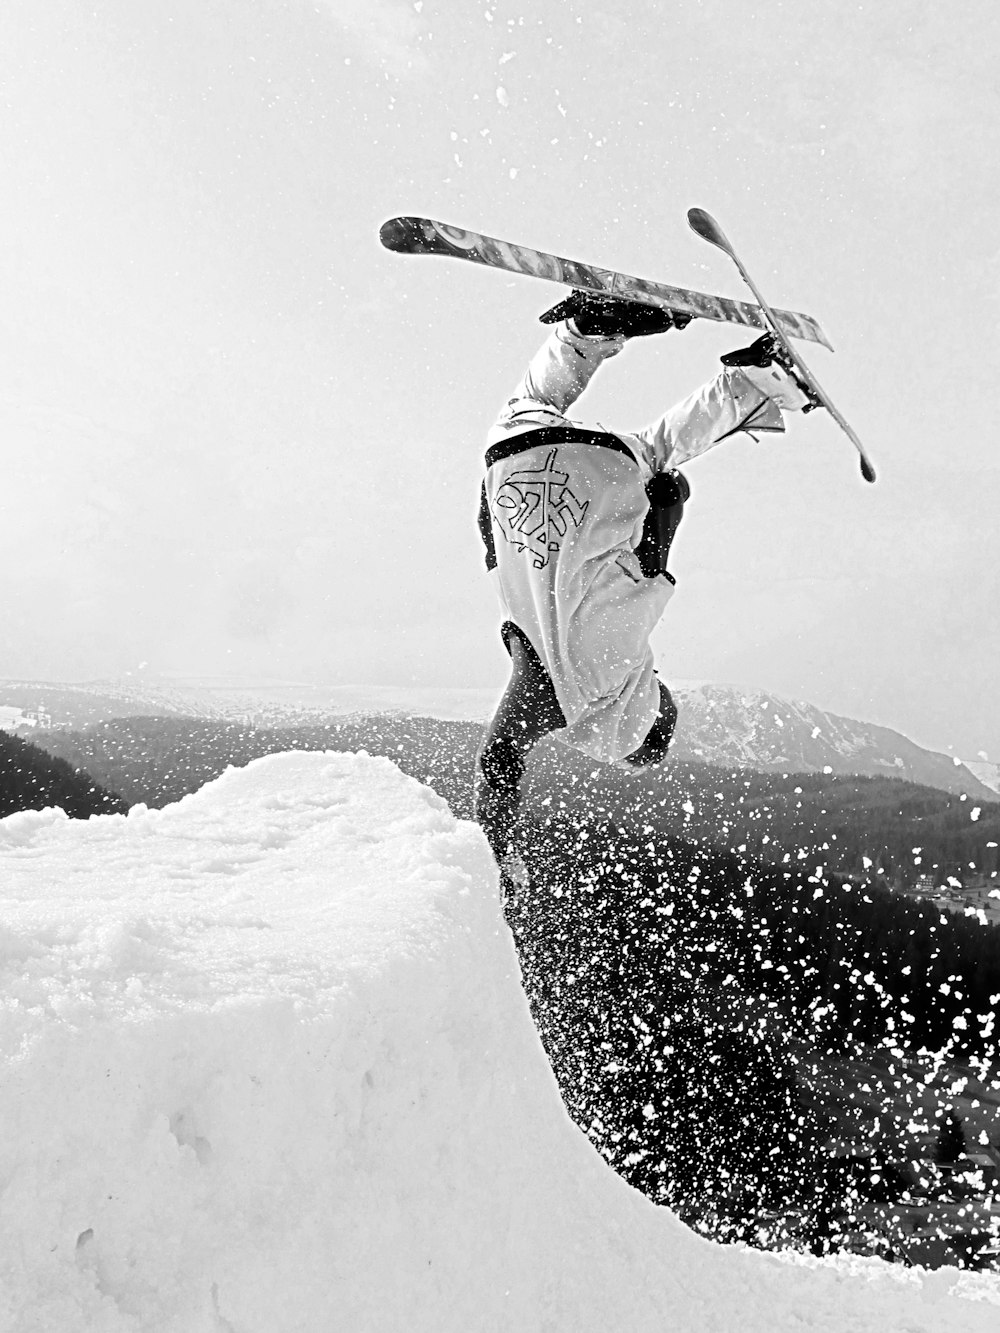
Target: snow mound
[267, 1067]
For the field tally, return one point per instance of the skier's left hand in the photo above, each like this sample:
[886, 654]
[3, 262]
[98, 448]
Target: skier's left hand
[610, 316]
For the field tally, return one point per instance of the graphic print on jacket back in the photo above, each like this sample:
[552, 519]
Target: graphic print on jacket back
[533, 509]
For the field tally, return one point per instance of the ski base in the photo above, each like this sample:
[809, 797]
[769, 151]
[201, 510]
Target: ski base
[705, 226]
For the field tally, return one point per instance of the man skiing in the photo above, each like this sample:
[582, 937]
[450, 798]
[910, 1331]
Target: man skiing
[577, 525]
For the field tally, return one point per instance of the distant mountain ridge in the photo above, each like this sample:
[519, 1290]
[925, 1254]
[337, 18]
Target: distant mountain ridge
[722, 724]
[719, 724]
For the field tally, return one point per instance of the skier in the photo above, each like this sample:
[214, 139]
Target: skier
[577, 525]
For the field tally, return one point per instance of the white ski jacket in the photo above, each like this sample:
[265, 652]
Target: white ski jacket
[566, 507]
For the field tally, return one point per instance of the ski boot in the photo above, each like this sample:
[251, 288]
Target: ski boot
[597, 316]
[768, 367]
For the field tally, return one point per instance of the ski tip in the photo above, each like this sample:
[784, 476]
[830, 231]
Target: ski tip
[707, 228]
[397, 233]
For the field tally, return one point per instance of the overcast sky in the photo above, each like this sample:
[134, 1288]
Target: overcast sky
[236, 436]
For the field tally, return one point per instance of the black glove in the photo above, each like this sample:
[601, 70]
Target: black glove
[765, 351]
[606, 316]
[760, 353]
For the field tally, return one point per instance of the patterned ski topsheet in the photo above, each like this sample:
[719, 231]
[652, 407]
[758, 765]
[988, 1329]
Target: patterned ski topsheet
[423, 236]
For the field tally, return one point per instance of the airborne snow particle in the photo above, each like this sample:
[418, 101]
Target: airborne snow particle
[502, 97]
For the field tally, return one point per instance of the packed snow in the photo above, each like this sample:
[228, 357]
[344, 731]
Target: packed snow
[267, 1067]
[987, 773]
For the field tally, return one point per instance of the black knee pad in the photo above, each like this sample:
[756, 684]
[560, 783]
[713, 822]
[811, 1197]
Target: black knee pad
[667, 492]
[654, 748]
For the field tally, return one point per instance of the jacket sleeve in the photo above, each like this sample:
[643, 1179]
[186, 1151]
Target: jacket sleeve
[722, 408]
[558, 374]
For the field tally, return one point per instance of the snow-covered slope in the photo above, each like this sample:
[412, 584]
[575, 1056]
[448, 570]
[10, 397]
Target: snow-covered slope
[267, 1067]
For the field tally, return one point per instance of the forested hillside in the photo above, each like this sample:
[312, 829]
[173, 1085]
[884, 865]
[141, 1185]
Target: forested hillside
[865, 827]
[812, 832]
[869, 827]
[690, 1002]
[32, 779]
[157, 760]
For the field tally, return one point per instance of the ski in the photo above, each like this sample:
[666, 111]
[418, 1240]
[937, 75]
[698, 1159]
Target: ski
[709, 230]
[423, 236]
